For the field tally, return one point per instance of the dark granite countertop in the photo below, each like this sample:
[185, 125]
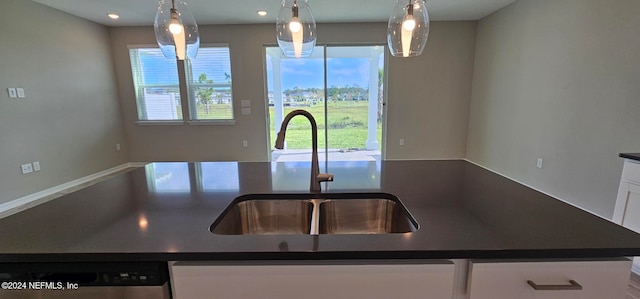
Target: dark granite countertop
[631, 156]
[162, 212]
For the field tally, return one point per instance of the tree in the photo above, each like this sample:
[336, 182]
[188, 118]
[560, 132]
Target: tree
[333, 93]
[205, 95]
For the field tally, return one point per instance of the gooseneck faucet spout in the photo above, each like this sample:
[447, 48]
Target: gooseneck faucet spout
[316, 176]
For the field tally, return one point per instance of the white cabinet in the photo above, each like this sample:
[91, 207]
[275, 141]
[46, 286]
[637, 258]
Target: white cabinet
[311, 280]
[549, 279]
[627, 210]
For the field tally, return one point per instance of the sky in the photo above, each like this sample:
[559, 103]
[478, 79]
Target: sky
[309, 72]
[306, 73]
[303, 73]
[211, 61]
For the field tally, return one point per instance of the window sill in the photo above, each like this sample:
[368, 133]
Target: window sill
[160, 122]
[217, 122]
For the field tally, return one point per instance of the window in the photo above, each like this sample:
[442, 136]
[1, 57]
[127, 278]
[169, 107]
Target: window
[207, 78]
[209, 81]
[156, 83]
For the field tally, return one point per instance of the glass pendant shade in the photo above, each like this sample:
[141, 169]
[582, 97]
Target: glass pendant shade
[176, 30]
[296, 28]
[408, 28]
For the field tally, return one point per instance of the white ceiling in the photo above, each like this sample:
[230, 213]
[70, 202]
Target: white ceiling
[142, 12]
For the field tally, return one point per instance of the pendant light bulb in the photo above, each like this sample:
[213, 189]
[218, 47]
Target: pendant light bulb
[295, 25]
[175, 26]
[409, 22]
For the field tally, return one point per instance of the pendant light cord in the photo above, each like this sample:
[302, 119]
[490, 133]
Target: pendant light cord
[294, 9]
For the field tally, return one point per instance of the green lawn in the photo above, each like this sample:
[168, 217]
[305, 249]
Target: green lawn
[216, 111]
[347, 126]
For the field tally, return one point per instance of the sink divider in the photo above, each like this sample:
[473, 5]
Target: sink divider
[315, 216]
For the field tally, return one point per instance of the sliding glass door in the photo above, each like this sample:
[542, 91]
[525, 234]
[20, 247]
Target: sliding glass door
[342, 87]
[354, 102]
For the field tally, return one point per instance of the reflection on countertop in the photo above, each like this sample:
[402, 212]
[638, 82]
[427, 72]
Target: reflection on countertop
[183, 177]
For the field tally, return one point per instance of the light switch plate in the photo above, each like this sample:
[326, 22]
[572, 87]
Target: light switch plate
[12, 92]
[246, 111]
[26, 168]
[539, 163]
[245, 103]
[20, 92]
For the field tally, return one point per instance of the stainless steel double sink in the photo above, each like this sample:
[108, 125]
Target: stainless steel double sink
[330, 213]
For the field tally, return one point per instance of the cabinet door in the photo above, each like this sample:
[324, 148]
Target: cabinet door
[584, 280]
[629, 189]
[631, 214]
[195, 280]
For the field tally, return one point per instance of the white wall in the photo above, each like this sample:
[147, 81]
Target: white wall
[428, 96]
[558, 80]
[70, 120]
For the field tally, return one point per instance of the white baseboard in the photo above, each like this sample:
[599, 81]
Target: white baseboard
[20, 204]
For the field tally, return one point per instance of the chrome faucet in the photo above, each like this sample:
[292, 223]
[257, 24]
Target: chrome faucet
[316, 176]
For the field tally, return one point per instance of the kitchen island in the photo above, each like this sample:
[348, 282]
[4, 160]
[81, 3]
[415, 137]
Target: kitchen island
[162, 212]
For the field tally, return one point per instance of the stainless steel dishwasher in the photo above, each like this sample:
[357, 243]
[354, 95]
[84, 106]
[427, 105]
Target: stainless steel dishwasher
[140, 280]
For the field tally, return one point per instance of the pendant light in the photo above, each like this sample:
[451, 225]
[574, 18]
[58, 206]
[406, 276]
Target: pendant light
[176, 30]
[408, 28]
[296, 28]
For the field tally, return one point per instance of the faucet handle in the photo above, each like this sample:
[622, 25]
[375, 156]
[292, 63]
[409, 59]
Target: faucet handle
[325, 177]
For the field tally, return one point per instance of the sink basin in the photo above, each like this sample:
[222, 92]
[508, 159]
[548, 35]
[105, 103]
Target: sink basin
[265, 216]
[330, 213]
[364, 216]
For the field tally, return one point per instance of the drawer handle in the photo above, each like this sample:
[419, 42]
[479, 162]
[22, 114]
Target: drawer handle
[573, 285]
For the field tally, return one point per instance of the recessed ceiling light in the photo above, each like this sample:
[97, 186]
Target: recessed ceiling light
[262, 13]
[113, 16]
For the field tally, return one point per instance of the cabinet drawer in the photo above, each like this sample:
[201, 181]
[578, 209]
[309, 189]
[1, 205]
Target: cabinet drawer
[553, 279]
[195, 280]
[631, 171]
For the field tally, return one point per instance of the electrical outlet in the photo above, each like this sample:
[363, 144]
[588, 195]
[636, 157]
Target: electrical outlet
[117, 146]
[402, 141]
[20, 92]
[36, 166]
[26, 168]
[539, 163]
[245, 143]
[12, 92]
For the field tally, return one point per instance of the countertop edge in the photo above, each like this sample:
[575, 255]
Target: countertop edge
[587, 253]
[630, 156]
